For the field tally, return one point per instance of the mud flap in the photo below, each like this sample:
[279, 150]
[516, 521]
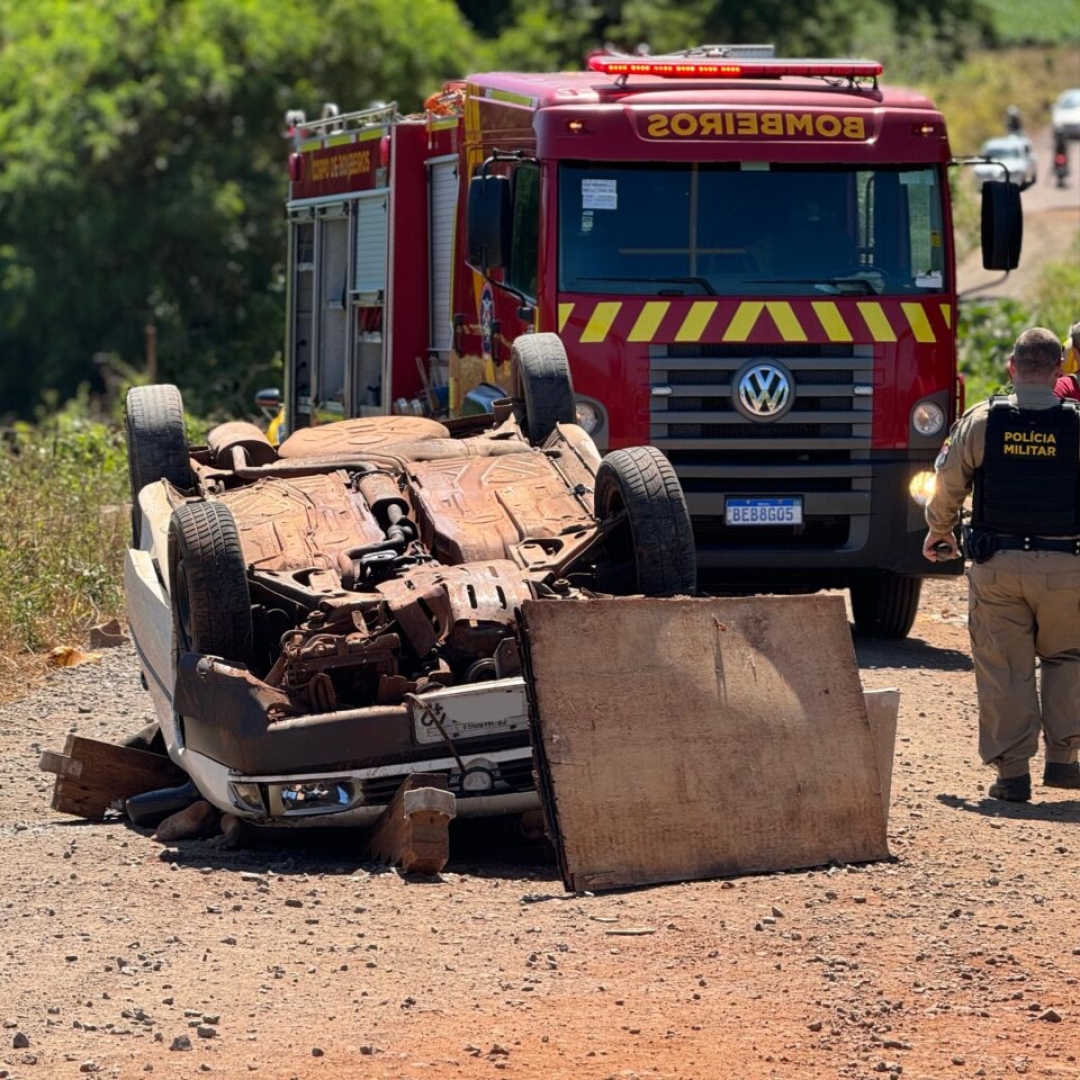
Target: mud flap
[681, 739]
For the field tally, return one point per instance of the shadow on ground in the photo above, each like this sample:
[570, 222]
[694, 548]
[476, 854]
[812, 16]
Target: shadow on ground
[909, 653]
[486, 848]
[1063, 810]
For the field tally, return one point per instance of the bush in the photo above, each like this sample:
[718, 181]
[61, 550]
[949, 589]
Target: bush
[984, 336]
[987, 328]
[1057, 301]
[64, 524]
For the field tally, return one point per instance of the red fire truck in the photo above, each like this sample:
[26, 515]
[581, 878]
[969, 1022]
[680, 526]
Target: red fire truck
[747, 260]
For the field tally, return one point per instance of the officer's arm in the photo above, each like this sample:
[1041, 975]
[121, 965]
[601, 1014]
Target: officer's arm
[938, 547]
[954, 470]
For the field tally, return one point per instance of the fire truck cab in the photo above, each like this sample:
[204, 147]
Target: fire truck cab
[749, 262]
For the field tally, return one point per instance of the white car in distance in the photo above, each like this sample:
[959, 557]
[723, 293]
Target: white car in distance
[1008, 157]
[1065, 114]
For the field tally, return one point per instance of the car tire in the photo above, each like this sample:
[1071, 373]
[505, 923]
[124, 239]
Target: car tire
[884, 605]
[150, 739]
[541, 377]
[156, 441]
[656, 540]
[211, 601]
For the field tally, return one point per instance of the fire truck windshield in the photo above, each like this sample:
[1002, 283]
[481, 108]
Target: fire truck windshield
[745, 229]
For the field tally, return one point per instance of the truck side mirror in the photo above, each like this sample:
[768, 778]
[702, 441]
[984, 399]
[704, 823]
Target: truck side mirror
[488, 222]
[1002, 225]
[269, 399]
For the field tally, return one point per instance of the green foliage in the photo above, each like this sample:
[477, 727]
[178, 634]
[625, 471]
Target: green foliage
[63, 528]
[985, 332]
[974, 95]
[987, 328]
[1035, 22]
[144, 173]
[561, 32]
[1057, 300]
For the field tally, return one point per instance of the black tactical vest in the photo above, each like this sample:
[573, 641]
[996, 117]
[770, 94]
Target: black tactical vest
[1029, 481]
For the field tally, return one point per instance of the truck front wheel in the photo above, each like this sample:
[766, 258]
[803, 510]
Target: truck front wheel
[651, 550]
[884, 605]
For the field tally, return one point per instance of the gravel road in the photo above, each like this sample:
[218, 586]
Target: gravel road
[958, 958]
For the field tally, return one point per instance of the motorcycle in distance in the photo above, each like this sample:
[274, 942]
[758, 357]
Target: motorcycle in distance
[1061, 160]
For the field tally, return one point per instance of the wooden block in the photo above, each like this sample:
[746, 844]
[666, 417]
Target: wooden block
[92, 776]
[413, 831]
[62, 766]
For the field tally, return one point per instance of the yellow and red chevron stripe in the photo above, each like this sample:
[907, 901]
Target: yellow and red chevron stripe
[642, 321]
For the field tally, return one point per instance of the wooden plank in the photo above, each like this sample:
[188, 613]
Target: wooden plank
[680, 739]
[92, 775]
[413, 831]
[883, 711]
[62, 766]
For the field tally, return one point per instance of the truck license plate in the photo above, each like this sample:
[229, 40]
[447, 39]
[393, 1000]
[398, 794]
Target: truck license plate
[786, 511]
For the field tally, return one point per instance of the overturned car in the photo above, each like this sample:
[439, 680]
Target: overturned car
[319, 620]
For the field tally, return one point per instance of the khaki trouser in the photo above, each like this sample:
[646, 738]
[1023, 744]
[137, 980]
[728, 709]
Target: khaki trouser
[1023, 605]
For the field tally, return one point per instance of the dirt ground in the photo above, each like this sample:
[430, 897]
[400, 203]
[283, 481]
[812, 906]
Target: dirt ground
[958, 958]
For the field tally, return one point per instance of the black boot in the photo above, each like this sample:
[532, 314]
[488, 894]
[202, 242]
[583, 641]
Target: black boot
[1012, 788]
[1063, 774]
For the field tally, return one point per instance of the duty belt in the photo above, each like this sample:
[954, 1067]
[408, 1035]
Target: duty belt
[1068, 544]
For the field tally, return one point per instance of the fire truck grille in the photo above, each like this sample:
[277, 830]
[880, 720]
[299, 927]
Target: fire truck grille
[816, 447]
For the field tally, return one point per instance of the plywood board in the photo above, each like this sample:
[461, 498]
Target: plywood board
[680, 739]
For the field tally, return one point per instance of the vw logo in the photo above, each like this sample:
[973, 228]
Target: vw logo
[764, 391]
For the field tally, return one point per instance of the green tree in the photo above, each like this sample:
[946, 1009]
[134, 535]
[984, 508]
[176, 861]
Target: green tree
[144, 172]
[560, 32]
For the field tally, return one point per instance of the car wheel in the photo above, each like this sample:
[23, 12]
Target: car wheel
[156, 441]
[541, 378]
[211, 602]
[651, 550]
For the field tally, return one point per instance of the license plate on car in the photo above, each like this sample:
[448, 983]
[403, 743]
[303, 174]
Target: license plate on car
[471, 711]
[786, 511]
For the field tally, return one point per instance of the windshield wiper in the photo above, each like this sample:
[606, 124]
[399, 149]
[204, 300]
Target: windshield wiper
[856, 286]
[699, 281]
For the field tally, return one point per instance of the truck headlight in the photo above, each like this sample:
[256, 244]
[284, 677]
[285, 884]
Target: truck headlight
[921, 487]
[928, 418]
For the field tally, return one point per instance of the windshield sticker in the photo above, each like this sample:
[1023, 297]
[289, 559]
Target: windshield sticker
[599, 195]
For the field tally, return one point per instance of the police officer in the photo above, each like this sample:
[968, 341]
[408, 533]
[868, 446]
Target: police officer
[1019, 456]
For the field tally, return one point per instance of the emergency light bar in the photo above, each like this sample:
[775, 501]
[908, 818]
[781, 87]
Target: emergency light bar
[684, 67]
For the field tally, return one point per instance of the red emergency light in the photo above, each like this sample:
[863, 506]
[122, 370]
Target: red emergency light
[688, 67]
